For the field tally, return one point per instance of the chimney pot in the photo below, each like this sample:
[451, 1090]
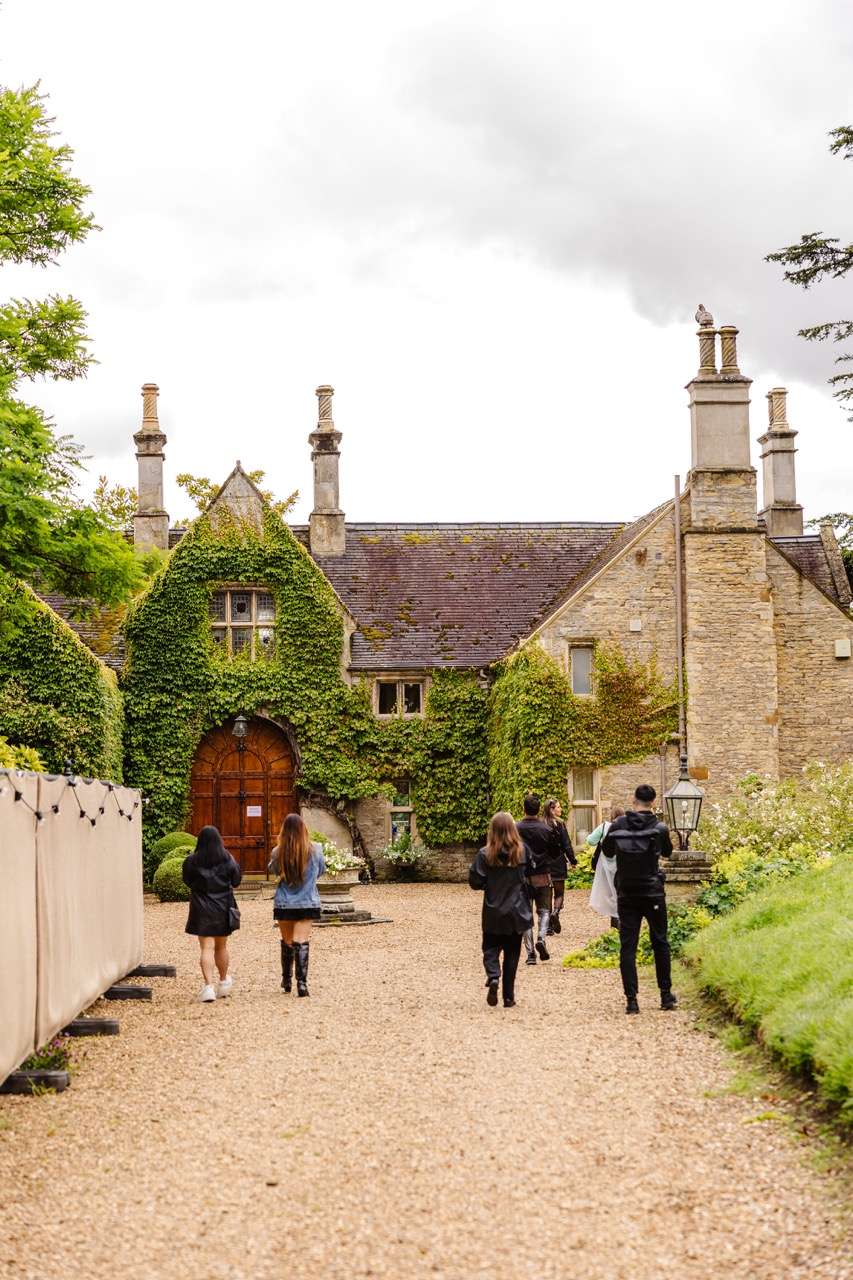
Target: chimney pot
[728, 351]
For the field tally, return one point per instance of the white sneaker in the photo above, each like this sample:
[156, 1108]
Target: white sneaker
[225, 985]
[207, 994]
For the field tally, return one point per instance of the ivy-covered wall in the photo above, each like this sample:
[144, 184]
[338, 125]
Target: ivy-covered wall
[178, 685]
[539, 729]
[55, 695]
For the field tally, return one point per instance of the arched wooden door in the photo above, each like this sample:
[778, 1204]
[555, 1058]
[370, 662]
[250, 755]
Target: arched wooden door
[245, 788]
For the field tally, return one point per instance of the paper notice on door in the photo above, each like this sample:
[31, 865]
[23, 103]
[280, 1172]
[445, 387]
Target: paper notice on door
[253, 811]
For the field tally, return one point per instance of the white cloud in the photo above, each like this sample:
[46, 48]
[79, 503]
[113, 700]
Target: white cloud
[488, 226]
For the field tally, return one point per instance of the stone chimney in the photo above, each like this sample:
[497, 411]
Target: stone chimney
[729, 645]
[722, 479]
[783, 515]
[151, 522]
[326, 522]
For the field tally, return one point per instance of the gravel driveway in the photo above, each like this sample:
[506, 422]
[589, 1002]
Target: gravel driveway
[393, 1125]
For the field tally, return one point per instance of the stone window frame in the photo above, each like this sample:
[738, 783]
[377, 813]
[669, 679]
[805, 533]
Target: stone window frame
[405, 811]
[399, 678]
[593, 805]
[579, 642]
[228, 625]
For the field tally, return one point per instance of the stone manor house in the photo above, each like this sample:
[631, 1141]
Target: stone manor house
[767, 628]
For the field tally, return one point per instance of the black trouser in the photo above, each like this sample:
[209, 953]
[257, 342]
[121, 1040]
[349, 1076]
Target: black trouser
[632, 911]
[559, 895]
[510, 945]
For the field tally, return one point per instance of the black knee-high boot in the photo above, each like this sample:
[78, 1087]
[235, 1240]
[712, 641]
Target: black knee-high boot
[286, 966]
[301, 952]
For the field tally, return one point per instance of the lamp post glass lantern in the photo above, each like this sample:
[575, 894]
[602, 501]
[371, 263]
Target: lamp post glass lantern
[241, 724]
[683, 806]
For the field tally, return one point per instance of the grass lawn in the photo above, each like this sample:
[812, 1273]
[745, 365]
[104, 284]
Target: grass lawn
[782, 962]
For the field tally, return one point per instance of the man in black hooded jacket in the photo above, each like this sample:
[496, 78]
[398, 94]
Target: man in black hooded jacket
[637, 840]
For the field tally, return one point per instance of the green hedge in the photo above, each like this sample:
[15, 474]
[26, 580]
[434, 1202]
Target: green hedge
[161, 849]
[782, 962]
[168, 881]
[55, 695]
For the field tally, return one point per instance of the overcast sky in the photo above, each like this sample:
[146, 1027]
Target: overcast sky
[488, 224]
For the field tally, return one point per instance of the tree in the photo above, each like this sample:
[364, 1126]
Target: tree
[115, 503]
[47, 535]
[813, 258]
[201, 490]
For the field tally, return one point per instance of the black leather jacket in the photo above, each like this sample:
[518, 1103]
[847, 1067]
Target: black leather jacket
[636, 841]
[506, 901]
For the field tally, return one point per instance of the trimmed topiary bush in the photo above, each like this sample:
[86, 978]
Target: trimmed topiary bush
[168, 881]
[162, 848]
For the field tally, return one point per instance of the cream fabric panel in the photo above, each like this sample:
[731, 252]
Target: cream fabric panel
[18, 959]
[89, 896]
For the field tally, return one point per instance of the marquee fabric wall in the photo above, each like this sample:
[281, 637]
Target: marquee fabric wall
[71, 902]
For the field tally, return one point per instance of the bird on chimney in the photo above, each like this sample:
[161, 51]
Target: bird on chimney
[704, 318]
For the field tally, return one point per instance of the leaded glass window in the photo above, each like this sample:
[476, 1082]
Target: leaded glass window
[241, 621]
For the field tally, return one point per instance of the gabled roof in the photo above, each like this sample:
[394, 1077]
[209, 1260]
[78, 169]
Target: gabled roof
[808, 553]
[453, 595]
[463, 595]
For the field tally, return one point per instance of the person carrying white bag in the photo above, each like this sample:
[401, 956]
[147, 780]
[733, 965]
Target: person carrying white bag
[602, 897]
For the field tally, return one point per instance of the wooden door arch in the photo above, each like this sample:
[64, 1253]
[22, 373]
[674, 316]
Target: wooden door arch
[246, 788]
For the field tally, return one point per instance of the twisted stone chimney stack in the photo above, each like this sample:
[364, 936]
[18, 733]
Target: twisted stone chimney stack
[151, 522]
[327, 531]
[782, 514]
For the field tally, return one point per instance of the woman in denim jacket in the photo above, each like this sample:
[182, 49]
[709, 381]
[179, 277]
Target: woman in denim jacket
[298, 863]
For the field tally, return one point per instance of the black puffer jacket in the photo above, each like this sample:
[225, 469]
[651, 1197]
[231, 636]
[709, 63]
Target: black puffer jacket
[506, 901]
[636, 841]
[211, 896]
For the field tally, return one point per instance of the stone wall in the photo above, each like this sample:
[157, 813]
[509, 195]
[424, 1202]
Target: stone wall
[638, 587]
[618, 782]
[449, 863]
[730, 659]
[327, 824]
[815, 687]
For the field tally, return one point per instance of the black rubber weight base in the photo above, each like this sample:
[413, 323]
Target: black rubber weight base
[153, 971]
[120, 992]
[91, 1027]
[25, 1081]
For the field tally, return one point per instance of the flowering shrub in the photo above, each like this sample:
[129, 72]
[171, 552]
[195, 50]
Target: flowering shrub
[813, 812]
[766, 832]
[337, 860]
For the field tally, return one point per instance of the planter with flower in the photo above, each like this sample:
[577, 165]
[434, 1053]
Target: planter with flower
[343, 869]
[405, 856]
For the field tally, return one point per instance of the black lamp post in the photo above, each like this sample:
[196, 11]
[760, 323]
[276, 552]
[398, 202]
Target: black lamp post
[683, 805]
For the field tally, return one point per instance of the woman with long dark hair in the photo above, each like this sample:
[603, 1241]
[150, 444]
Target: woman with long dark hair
[297, 863]
[502, 871]
[561, 858]
[212, 876]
